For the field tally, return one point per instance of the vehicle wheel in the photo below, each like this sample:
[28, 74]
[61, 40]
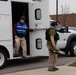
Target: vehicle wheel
[3, 59]
[73, 49]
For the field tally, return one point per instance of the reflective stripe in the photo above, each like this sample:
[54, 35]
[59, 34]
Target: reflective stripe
[20, 30]
[21, 27]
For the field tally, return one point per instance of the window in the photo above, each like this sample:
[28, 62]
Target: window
[58, 27]
[39, 43]
[38, 14]
[3, 0]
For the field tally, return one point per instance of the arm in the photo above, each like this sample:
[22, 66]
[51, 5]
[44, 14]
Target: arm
[53, 42]
[15, 31]
[31, 30]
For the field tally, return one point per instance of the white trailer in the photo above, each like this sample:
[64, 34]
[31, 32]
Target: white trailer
[37, 16]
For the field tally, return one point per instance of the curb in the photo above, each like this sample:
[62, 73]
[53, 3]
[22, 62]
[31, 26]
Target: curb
[69, 63]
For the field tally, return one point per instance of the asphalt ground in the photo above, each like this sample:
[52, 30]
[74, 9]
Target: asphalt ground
[17, 65]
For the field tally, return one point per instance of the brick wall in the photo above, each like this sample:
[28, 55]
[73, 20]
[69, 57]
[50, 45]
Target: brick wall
[66, 19]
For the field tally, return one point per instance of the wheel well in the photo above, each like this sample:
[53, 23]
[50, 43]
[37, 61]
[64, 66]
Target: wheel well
[70, 39]
[74, 39]
[5, 50]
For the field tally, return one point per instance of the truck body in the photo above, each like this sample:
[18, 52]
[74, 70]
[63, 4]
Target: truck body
[37, 17]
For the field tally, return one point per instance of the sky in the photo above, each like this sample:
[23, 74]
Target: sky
[64, 6]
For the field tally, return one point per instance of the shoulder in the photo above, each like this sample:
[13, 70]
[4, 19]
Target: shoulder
[25, 24]
[17, 23]
[52, 31]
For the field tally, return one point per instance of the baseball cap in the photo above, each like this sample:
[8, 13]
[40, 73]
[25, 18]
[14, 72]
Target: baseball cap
[54, 24]
[22, 17]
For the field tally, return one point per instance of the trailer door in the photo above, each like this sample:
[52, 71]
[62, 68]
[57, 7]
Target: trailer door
[38, 19]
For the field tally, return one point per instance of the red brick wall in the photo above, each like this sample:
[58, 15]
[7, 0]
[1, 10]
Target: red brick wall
[66, 19]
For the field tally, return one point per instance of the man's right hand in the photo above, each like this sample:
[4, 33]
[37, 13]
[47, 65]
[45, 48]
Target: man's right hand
[58, 49]
[15, 37]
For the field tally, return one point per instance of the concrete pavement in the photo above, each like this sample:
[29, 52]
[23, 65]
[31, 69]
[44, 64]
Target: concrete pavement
[63, 70]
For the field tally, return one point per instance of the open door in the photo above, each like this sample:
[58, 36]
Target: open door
[38, 19]
[20, 9]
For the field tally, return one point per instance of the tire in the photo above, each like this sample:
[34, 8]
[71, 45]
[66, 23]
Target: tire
[3, 59]
[73, 49]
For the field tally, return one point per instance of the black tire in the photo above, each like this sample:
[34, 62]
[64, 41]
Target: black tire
[73, 49]
[3, 59]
